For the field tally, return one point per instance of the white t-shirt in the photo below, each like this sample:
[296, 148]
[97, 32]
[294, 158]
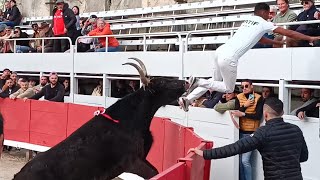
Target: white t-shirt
[249, 33]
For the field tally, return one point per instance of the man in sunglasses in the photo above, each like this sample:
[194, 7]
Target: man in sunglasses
[249, 107]
[227, 55]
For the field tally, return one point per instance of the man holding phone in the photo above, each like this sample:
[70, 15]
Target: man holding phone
[249, 107]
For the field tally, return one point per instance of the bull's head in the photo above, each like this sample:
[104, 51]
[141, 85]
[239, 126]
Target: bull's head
[166, 90]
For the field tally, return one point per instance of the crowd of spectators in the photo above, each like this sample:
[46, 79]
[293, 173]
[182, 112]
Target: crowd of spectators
[285, 15]
[66, 23]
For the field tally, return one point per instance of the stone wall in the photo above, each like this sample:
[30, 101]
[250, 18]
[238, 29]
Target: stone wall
[40, 8]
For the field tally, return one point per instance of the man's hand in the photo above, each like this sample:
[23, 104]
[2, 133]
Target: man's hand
[301, 115]
[65, 30]
[313, 39]
[25, 99]
[196, 151]
[316, 15]
[318, 105]
[248, 103]
[12, 96]
[238, 113]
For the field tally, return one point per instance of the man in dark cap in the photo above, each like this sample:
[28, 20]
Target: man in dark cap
[281, 145]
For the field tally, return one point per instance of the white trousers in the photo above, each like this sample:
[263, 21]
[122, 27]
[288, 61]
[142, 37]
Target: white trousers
[223, 80]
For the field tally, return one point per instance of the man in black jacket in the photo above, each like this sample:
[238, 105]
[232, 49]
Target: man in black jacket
[12, 88]
[281, 145]
[51, 92]
[12, 15]
[64, 25]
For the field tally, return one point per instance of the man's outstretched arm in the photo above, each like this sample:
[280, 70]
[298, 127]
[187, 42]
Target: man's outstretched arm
[294, 34]
[268, 41]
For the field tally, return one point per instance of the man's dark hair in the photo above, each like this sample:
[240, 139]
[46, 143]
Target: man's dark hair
[24, 80]
[261, 7]
[247, 80]
[275, 104]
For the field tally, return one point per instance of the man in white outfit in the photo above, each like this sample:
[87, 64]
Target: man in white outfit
[225, 62]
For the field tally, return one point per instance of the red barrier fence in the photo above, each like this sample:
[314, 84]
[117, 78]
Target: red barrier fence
[47, 123]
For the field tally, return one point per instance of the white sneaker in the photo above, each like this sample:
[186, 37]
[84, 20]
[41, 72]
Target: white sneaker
[184, 103]
[193, 83]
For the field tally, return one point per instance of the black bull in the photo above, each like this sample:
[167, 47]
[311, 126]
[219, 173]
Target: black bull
[102, 149]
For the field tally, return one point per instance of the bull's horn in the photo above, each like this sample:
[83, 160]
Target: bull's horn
[143, 77]
[141, 65]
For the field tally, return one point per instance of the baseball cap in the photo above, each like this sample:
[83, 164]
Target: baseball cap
[2, 27]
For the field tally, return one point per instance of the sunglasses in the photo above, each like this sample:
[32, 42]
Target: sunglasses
[245, 86]
[304, 2]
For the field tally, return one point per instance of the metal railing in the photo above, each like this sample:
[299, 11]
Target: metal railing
[42, 42]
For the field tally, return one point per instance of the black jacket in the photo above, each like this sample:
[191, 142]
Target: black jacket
[311, 110]
[15, 15]
[6, 93]
[69, 19]
[281, 145]
[51, 94]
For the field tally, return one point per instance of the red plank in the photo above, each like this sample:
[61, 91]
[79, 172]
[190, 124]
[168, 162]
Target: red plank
[78, 115]
[48, 124]
[16, 114]
[155, 156]
[173, 143]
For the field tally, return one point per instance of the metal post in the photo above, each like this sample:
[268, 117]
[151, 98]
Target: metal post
[72, 78]
[284, 95]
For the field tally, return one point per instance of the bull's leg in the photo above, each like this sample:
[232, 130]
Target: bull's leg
[148, 141]
[143, 168]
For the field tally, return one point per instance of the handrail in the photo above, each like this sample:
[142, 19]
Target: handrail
[43, 38]
[143, 35]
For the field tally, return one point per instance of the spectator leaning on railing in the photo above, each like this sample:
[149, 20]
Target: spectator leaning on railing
[104, 29]
[23, 92]
[51, 92]
[285, 15]
[309, 13]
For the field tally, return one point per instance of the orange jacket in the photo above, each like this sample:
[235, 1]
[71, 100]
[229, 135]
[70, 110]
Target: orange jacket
[112, 41]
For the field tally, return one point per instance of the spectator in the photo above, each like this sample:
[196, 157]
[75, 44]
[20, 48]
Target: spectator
[285, 15]
[250, 107]
[312, 110]
[66, 85]
[76, 12]
[7, 11]
[104, 29]
[228, 101]
[306, 97]
[119, 90]
[272, 13]
[1, 15]
[32, 82]
[12, 14]
[23, 92]
[23, 45]
[52, 92]
[132, 86]
[42, 84]
[10, 90]
[309, 13]
[46, 31]
[89, 25]
[6, 34]
[35, 43]
[213, 99]
[5, 75]
[281, 145]
[267, 92]
[97, 91]
[64, 25]
[13, 76]
[19, 81]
